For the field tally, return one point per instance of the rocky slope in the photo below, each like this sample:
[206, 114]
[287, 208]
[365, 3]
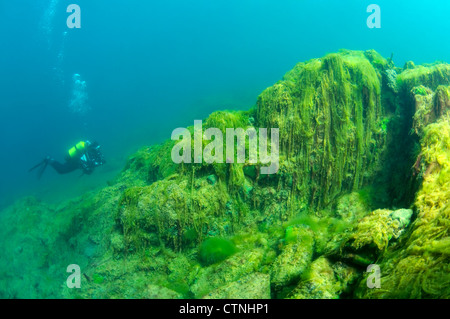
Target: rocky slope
[363, 179]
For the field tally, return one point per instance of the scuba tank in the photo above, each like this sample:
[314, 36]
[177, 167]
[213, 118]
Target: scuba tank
[78, 149]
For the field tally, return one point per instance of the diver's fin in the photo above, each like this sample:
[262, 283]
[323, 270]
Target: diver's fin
[42, 169]
[37, 165]
[43, 166]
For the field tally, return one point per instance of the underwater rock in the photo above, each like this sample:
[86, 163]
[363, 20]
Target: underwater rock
[351, 207]
[378, 228]
[168, 209]
[415, 87]
[430, 76]
[403, 216]
[254, 286]
[391, 77]
[232, 269]
[442, 101]
[429, 105]
[117, 243]
[319, 283]
[323, 280]
[370, 237]
[327, 111]
[147, 165]
[294, 258]
[420, 268]
[341, 119]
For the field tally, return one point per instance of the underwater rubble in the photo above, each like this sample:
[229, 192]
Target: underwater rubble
[364, 178]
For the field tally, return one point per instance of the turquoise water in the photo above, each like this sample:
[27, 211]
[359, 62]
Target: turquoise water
[151, 66]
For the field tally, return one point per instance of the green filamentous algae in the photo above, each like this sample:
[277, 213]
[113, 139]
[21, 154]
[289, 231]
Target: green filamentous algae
[363, 178]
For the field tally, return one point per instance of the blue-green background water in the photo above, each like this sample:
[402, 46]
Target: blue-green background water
[151, 66]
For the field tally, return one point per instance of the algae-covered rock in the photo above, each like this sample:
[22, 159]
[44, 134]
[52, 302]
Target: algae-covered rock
[403, 216]
[415, 108]
[218, 275]
[430, 76]
[168, 209]
[379, 227]
[359, 138]
[148, 164]
[370, 236]
[409, 65]
[420, 267]
[429, 105]
[294, 257]
[319, 283]
[323, 280]
[351, 207]
[154, 273]
[327, 111]
[254, 286]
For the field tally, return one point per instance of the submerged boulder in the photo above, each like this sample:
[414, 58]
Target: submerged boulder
[253, 286]
[294, 257]
[379, 227]
[230, 270]
[323, 280]
[358, 139]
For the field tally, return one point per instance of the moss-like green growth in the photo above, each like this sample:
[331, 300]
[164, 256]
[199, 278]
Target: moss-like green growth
[323, 280]
[239, 265]
[214, 250]
[429, 106]
[379, 227]
[228, 119]
[327, 111]
[148, 165]
[414, 109]
[429, 76]
[295, 256]
[254, 286]
[359, 138]
[420, 90]
[420, 268]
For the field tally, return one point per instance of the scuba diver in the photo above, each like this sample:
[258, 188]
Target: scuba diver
[84, 155]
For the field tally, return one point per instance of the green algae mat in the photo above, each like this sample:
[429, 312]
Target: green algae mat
[358, 207]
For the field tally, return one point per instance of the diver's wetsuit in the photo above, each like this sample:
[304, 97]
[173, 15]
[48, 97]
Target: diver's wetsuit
[68, 166]
[85, 156]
